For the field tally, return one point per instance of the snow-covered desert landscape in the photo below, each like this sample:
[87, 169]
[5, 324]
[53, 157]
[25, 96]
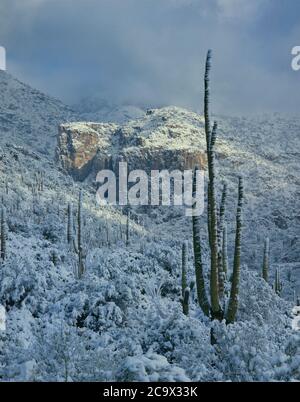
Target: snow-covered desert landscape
[122, 318]
[149, 192]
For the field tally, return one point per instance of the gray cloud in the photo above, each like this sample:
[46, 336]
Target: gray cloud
[152, 52]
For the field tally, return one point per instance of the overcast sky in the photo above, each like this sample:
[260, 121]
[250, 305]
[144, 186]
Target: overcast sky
[152, 52]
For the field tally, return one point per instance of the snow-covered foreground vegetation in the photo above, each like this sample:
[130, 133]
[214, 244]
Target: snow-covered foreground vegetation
[122, 318]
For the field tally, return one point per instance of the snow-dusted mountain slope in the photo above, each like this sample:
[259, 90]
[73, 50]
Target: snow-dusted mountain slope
[29, 117]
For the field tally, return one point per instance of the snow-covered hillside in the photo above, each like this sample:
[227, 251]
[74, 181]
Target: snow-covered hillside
[123, 320]
[29, 117]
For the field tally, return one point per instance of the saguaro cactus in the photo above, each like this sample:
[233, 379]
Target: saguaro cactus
[211, 192]
[207, 101]
[277, 283]
[79, 248]
[70, 224]
[200, 283]
[266, 260]
[222, 207]
[208, 215]
[54, 257]
[185, 301]
[212, 220]
[233, 301]
[128, 229]
[184, 263]
[207, 134]
[224, 251]
[3, 235]
[221, 273]
[217, 233]
[185, 291]
[79, 222]
[216, 310]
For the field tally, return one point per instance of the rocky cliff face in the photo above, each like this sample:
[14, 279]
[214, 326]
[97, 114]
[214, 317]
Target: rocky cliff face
[163, 139]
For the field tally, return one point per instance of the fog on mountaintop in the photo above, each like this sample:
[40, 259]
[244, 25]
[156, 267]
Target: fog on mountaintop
[149, 53]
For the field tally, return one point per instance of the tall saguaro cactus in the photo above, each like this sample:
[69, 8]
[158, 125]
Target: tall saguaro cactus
[70, 224]
[217, 232]
[128, 228]
[79, 222]
[207, 101]
[221, 273]
[216, 310]
[266, 260]
[185, 301]
[3, 235]
[224, 251]
[200, 282]
[233, 301]
[278, 283]
[185, 290]
[184, 263]
[208, 136]
[212, 222]
[79, 248]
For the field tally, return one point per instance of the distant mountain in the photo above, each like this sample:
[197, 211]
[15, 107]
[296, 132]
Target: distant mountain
[95, 109]
[29, 116]
[116, 114]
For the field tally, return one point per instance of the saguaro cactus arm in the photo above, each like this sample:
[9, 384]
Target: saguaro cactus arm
[3, 235]
[207, 100]
[233, 301]
[128, 229]
[224, 250]
[70, 224]
[278, 283]
[221, 273]
[79, 223]
[185, 301]
[78, 247]
[200, 283]
[216, 310]
[266, 263]
[184, 268]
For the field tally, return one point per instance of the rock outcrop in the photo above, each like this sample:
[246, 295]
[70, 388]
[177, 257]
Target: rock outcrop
[163, 139]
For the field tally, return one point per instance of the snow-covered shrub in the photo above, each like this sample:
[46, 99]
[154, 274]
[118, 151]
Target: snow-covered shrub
[19, 281]
[250, 352]
[288, 365]
[150, 367]
[251, 349]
